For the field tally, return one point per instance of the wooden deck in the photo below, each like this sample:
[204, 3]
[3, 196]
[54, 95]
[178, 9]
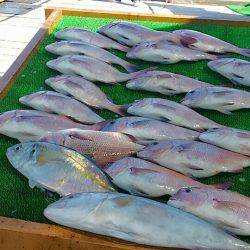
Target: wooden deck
[19, 22]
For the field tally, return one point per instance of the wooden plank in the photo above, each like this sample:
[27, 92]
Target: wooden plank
[9, 77]
[148, 17]
[19, 234]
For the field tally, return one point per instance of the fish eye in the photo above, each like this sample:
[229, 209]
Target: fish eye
[188, 190]
[33, 151]
[17, 148]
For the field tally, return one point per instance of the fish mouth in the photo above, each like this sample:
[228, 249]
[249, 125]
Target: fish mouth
[51, 64]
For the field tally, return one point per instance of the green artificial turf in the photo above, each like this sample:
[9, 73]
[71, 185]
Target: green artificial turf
[18, 200]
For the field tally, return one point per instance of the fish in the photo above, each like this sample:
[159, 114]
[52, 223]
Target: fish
[84, 91]
[236, 70]
[102, 147]
[221, 99]
[29, 125]
[57, 169]
[132, 34]
[139, 220]
[166, 53]
[233, 139]
[172, 112]
[91, 69]
[194, 159]
[224, 208]
[147, 131]
[143, 178]
[64, 48]
[207, 43]
[166, 83]
[79, 34]
[52, 102]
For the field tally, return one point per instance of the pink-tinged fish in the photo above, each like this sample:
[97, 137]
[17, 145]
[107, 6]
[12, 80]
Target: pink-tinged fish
[195, 159]
[221, 99]
[147, 131]
[227, 209]
[52, 102]
[84, 91]
[166, 53]
[28, 125]
[103, 147]
[64, 48]
[172, 112]
[91, 69]
[236, 70]
[143, 178]
[209, 43]
[236, 140]
[166, 83]
[79, 34]
[132, 34]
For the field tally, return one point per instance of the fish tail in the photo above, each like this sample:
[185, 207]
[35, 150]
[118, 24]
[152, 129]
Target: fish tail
[131, 67]
[119, 109]
[123, 48]
[244, 52]
[98, 126]
[224, 185]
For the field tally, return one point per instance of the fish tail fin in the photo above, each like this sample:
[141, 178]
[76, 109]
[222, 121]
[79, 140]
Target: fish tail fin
[119, 109]
[131, 67]
[140, 73]
[123, 48]
[98, 126]
[224, 185]
[244, 52]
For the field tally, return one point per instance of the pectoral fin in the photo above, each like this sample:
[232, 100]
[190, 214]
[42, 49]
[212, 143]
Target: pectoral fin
[141, 171]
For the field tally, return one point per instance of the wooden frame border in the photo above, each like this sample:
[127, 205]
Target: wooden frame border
[19, 234]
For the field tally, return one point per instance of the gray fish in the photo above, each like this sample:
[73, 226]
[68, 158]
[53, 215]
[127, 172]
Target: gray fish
[209, 43]
[64, 48]
[84, 91]
[233, 139]
[166, 53]
[224, 208]
[132, 34]
[172, 112]
[57, 168]
[144, 178]
[28, 125]
[221, 99]
[90, 68]
[102, 147]
[165, 83]
[52, 102]
[236, 70]
[79, 34]
[194, 159]
[139, 220]
[147, 131]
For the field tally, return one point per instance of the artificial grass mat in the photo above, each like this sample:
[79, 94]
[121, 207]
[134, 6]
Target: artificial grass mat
[18, 200]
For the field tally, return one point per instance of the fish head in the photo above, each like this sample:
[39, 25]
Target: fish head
[189, 198]
[73, 209]
[5, 117]
[109, 28]
[141, 50]
[57, 80]
[28, 98]
[55, 47]
[60, 62]
[194, 97]
[55, 138]
[137, 106]
[112, 125]
[65, 33]
[221, 64]
[117, 167]
[154, 151]
[214, 134]
[137, 83]
[22, 156]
